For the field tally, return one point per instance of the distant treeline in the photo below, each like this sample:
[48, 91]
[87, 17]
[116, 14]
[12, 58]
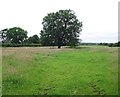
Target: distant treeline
[117, 44]
[39, 45]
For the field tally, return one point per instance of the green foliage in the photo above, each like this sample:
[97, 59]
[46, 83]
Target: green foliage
[13, 35]
[3, 34]
[104, 44]
[114, 44]
[34, 39]
[61, 28]
[117, 44]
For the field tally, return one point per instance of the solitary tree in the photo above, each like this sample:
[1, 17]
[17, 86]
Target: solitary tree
[13, 35]
[61, 28]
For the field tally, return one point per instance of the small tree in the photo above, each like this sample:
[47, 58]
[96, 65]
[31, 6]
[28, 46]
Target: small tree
[61, 28]
[34, 39]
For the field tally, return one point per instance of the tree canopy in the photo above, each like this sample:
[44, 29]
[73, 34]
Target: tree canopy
[13, 35]
[34, 39]
[3, 34]
[61, 28]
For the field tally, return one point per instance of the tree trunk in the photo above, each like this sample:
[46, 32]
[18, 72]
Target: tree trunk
[59, 46]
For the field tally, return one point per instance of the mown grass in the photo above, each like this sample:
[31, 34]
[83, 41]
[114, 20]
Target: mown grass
[45, 71]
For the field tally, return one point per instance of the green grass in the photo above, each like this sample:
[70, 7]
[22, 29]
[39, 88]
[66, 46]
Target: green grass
[0, 71]
[80, 71]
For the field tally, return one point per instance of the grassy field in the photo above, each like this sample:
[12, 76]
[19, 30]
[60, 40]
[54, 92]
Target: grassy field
[50, 71]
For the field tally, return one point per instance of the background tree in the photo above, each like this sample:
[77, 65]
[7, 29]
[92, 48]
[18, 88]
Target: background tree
[3, 34]
[61, 28]
[34, 39]
[13, 35]
[117, 44]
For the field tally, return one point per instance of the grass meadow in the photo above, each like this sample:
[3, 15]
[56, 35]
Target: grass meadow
[86, 70]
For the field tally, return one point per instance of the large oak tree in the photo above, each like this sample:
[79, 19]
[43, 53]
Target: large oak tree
[61, 28]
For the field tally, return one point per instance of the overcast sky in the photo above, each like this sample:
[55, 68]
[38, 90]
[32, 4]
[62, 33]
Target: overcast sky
[99, 17]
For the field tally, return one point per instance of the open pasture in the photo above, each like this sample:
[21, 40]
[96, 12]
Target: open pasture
[67, 71]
